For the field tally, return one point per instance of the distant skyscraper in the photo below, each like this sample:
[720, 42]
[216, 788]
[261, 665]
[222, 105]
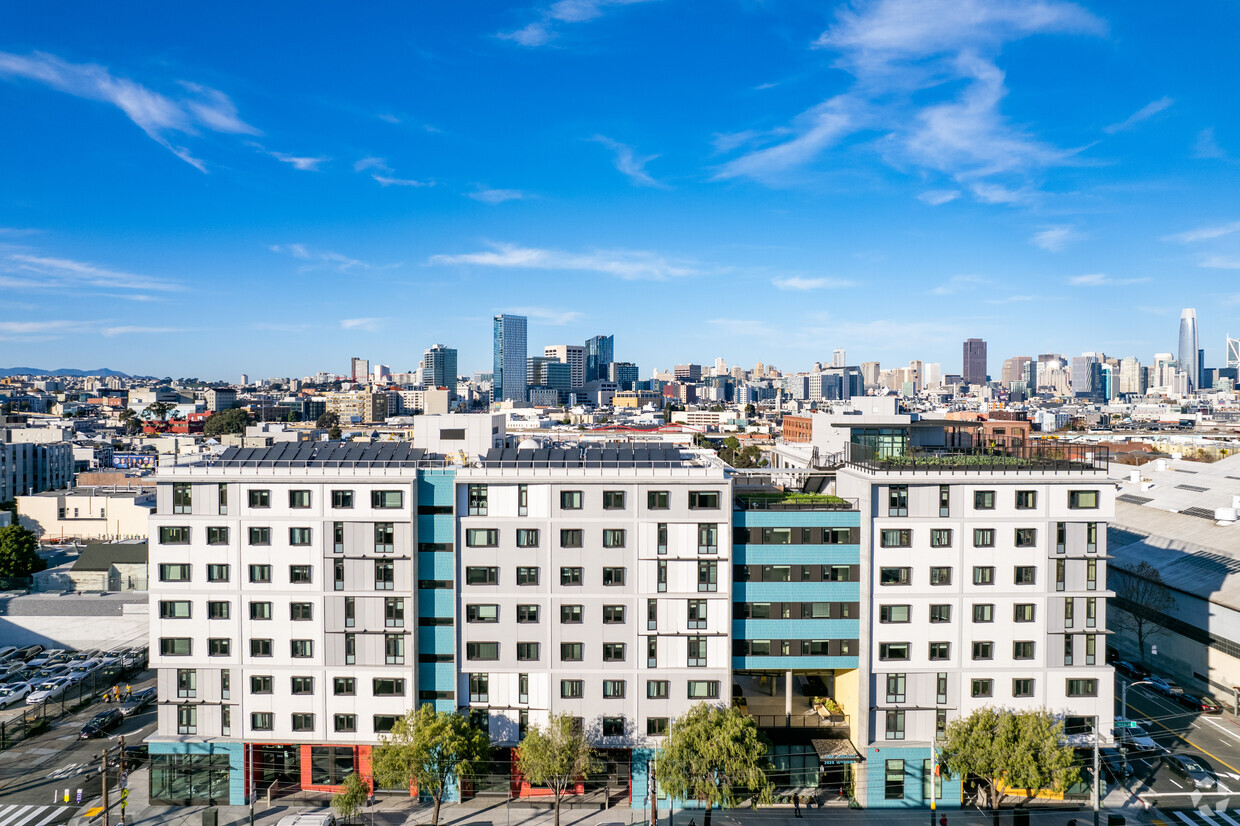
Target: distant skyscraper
[1014, 369]
[869, 372]
[974, 371]
[439, 368]
[1233, 352]
[1087, 376]
[508, 365]
[600, 352]
[1189, 347]
[574, 355]
[838, 358]
[359, 370]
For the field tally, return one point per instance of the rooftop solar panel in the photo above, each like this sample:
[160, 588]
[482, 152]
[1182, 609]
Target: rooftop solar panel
[1193, 488]
[1133, 499]
[1200, 513]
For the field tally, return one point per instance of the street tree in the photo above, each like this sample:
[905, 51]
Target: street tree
[347, 803]
[327, 420]
[19, 552]
[1009, 750]
[1143, 600]
[432, 750]
[233, 420]
[159, 410]
[335, 434]
[715, 755]
[557, 756]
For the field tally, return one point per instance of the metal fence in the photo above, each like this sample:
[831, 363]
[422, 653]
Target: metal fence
[22, 723]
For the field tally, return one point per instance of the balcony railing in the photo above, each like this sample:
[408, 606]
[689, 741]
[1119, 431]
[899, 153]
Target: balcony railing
[1016, 457]
[800, 721]
[793, 502]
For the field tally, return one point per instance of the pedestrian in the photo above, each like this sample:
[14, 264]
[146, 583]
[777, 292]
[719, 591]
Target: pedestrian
[128, 691]
[943, 819]
[796, 804]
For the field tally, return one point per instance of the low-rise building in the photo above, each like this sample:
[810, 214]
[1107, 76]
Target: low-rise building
[87, 513]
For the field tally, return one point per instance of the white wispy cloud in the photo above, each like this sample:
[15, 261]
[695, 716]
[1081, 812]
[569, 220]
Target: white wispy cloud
[542, 31]
[1220, 262]
[371, 163]
[126, 330]
[279, 327]
[37, 330]
[301, 162]
[938, 197]
[554, 318]
[1011, 299]
[17, 232]
[159, 115]
[1055, 239]
[42, 272]
[383, 174]
[1207, 145]
[799, 283]
[319, 259]
[497, 196]
[899, 50]
[387, 180]
[631, 265]
[1204, 233]
[369, 325]
[959, 283]
[628, 163]
[1146, 112]
[1098, 279]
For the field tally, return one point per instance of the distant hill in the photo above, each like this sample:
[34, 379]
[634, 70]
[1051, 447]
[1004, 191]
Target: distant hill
[64, 371]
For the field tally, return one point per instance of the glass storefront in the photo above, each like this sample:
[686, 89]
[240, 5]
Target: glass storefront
[185, 779]
[330, 765]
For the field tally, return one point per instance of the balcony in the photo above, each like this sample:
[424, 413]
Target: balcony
[792, 501]
[1016, 457]
[751, 695]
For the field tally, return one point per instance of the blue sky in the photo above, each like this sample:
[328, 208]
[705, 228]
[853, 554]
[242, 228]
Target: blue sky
[273, 188]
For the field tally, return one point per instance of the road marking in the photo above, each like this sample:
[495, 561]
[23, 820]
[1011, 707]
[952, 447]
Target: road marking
[1185, 818]
[1220, 787]
[1227, 818]
[1185, 739]
[30, 816]
[55, 814]
[1222, 728]
[1177, 785]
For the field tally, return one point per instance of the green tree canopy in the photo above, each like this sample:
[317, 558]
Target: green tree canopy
[1009, 750]
[19, 552]
[335, 434]
[716, 755]
[327, 420]
[557, 756]
[431, 749]
[159, 409]
[233, 420]
[347, 803]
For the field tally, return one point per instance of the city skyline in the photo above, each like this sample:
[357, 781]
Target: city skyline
[998, 170]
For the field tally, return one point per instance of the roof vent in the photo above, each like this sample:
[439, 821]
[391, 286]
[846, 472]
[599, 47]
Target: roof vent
[1225, 514]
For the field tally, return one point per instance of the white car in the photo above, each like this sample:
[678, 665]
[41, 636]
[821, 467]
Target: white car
[1134, 736]
[12, 693]
[49, 690]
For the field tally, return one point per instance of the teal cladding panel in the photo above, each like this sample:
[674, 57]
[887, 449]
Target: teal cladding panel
[436, 527]
[796, 519]
[796, 554]
[236, 762]
[437, 640]
[436, 677]
[796, 591]
[793, 663]
[436, 487]
[874, 789]
[790, 629]
[436, 565]
[436, 602]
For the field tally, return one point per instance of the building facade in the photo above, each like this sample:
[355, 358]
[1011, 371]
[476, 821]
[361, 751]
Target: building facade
[439, 368]
[974, 370]
[508, 364]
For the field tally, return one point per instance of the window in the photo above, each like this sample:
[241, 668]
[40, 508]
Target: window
[708, 577]
[893, 651]
[983, 500]
[652, 652]
[477, 500]
[1083, 500]
[1061, 537]
[217, 536]
[613, 726]
[893, 613]
[661, 539]
[570, 500]
[613, 538]
[940, 576]
[940, 650]
[217, 573]
[1091, 575]
[1091, 612]
[652, 614]
[181, 497]
[260, 648]
[303, 685]
[260, 499]
[571, 576]
[570, 614]
[940, 538]
[388, 687]
[614, 614]
[703, 689]
[1026, 537]
[981, 688]
[983, 612]
[1022, 687]
[703, 500]
[479, 688]
[893, 780]
[482, 613]
[895, 724]
[338, 577]
[656, 726]
[894, 576]
[394, 612]
[299, 498]
[1061, 570]
[940, 688]
[344, 686]
[945, 500]
[385, 575]
[527, 576]
[387, 499]
[571, 652]
[223, 492]
[187, 683]
[523, 500]
[338, 537]
[260, 684]
[344, 722]
[571, 538]
[527, 537]
[187, 719]
[481, 576]
[169, 535]
[173, 572]
[301, 611]
[260, 610]
[482, 651]
[342, 499]
[613, 500]
[613, 576]
[983, 650]
[218, 610]
[262, 720]
[708, 539]
[1025, 575]
[260, 536]
[657, 500]
[1022, 650]
[1026, 499]
[1069, 606]
[1067, 649]
[482, 537]
[613, 652]
[523, 688]
[393, 649]
[301, 649]
[697, 652]
[572, 689]
[350, 646]
[891, 538]
[940, 733]
[697, 614]
[983, 537]
[300, 574]
[260, 573]
[1022, 612]
[940, 613]
[983, 575]
[1082, 688]
[657, 689]
[896, 684]
[661, 576]
[528, 651]
[1090, 649]
[383, 723]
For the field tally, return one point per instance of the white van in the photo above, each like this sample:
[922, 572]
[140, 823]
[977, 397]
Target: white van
[308, 819]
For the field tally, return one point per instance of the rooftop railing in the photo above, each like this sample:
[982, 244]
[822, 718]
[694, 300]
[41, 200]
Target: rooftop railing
[793, 502]
[1014, 457]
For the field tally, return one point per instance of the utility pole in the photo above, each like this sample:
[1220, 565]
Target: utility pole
[934, 772]
[103, 773]
[1097, 779]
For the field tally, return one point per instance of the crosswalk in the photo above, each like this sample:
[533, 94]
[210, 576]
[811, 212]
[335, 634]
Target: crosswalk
[1204, 815]
[32, 815]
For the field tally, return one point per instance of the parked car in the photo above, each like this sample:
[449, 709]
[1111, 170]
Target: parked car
[7, 652]
[49, 690]
[101, 724]
[1133, 736]
[13, 693]
[29, 652]
[1192, 770]
[1114, 766]
[1130, 670]
[1112, 654]
[140, 701]
[1203, 703]
[1164, 686]
[308, 819]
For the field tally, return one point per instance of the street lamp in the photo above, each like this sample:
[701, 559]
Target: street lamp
[1124, 713]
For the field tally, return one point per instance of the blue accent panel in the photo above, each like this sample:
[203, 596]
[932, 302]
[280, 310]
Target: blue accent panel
[436, 677]
[782, 629]
[436, 487]
[435, 527]
[437, 640]
[793, 663]
[796, 591]
[796, 554]
[436, 565]
[236, 762]
[796, 519]
[445, 706]
[640, 772]
[436, 602]
[873, 794]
